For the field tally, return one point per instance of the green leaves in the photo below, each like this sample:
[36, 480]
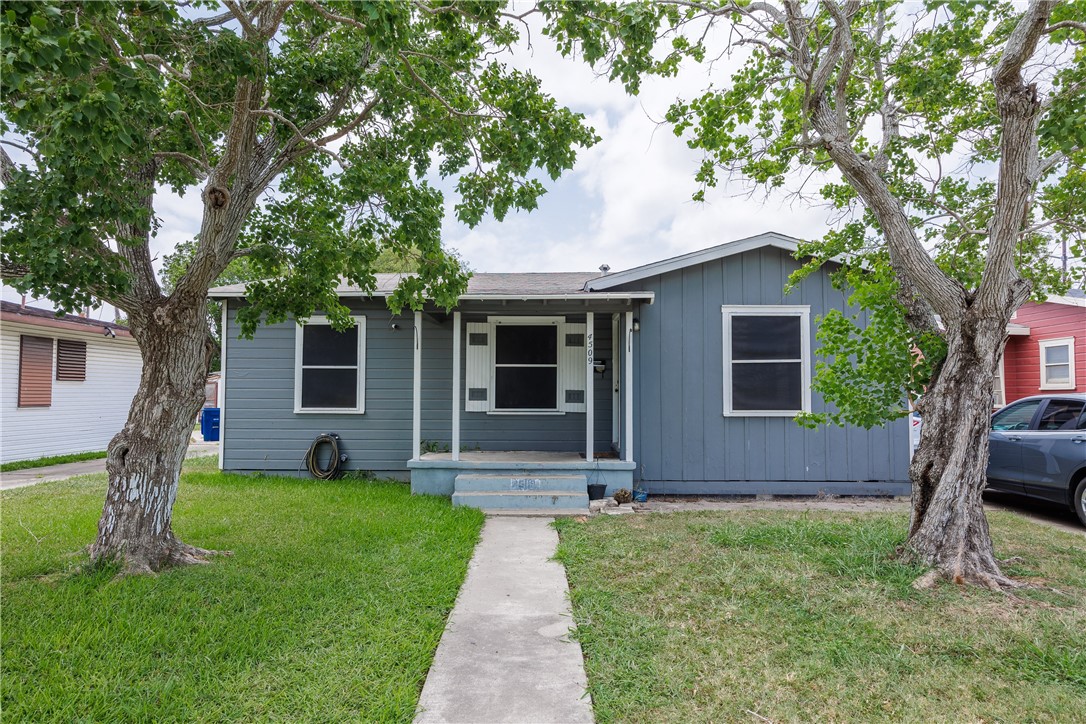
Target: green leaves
[913, 101]
[327, 131]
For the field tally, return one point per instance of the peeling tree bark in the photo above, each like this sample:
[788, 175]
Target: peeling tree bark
[145, 458]
[948, 530]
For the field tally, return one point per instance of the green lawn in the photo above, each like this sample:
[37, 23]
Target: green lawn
[690, 617]
[330, 609]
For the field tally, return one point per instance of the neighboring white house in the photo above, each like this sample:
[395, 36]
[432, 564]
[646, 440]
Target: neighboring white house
[67, 382]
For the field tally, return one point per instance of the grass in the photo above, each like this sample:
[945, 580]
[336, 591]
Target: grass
[742, 615]
[330, 609]
[52, 460]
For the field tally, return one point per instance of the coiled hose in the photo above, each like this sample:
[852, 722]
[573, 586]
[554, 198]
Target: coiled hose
[312, 458]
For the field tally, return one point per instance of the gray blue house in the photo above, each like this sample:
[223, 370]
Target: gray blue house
[681, 376]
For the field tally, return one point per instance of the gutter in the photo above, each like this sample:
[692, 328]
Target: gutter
[582, 296]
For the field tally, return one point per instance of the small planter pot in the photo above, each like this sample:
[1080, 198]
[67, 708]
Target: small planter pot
[641, 496]
[597, 491]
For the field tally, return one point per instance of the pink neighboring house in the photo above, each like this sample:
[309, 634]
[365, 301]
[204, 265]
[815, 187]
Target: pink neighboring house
[1046, 349]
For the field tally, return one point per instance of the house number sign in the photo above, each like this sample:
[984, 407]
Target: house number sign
[525, 484]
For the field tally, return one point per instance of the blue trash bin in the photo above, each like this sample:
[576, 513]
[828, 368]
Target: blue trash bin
[209, 424]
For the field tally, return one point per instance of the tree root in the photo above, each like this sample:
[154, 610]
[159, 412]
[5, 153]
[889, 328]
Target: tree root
[993, 581]
[153, 558]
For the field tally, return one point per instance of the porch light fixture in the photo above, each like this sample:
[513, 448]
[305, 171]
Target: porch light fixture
[601, 366]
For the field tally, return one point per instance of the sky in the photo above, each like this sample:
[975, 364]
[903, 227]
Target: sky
[626, 202]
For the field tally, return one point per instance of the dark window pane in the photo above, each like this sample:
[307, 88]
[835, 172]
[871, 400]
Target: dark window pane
[767, 386]
[330, 388]
[1060, 415]
[758, 337]
[1015, 417]
[526, 344]
[322, 345]
[526, 388]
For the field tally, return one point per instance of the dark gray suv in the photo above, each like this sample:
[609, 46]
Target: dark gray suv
[1037, 447]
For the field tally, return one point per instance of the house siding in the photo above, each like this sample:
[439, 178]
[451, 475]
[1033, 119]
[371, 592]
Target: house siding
[682, 441]
[1022, 357]
[262, 432]
[83, 415]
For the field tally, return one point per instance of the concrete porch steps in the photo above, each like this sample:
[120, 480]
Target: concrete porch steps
[551, 501]
[550, 494]
[526, 482]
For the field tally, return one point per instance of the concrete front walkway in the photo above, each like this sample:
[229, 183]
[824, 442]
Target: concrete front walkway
[505, 655]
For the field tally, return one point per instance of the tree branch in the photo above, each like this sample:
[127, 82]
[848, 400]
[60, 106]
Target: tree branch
[194, 164]
[1019, 111]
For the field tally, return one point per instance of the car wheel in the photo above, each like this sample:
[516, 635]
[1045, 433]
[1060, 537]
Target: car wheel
[1078, 500]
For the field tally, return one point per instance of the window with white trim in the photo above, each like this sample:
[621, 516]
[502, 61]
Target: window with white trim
[330, 367]
[524, 365]
[999, 394]
[767, 360]
[1058, 364]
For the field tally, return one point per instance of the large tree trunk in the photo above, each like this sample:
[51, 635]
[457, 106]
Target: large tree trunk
[145, 458]
[948, 530]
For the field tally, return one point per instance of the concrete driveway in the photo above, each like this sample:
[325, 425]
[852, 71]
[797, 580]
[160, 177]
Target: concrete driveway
[49, 473]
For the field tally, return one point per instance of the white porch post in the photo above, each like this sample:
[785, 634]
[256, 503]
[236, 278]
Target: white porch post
[628, 382]
[616, 379]
[456, 387]
[589, 370]
[416, 411]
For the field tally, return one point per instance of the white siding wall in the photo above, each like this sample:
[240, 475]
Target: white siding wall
[84, 415]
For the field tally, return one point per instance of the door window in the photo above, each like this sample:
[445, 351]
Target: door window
[1016, 417]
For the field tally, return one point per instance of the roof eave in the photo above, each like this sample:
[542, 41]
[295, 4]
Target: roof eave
[578, 296]
[720, 251]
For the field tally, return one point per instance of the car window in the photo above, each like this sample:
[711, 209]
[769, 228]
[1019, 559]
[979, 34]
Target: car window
[1060, 415]
[1082, 421]
[1015, 417]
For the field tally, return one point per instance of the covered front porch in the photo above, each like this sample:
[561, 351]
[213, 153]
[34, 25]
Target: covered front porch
[523, 376]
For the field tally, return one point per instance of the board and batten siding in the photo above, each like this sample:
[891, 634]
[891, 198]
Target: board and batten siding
[83, 415]
[261, 431]
[682, 441]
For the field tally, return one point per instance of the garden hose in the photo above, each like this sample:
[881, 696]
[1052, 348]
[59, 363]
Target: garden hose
[312, 459]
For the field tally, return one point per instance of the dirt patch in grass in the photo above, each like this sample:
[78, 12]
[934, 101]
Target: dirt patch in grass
[725, 616]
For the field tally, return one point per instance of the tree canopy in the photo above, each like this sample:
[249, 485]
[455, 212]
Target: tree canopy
[315, 131]
[321, 125]
[948, 136]
[905, 88]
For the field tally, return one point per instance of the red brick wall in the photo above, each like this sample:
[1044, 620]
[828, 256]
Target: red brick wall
[1022, 359]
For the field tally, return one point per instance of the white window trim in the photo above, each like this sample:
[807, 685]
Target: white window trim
[1043, 345]
[360, 321]
[767, 310]
[495, 322]
[1002, 391]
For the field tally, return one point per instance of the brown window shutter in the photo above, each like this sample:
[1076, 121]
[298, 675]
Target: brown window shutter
[35, 371]
[71, 360]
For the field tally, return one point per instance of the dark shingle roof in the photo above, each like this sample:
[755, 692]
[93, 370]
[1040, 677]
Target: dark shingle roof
[35, 312]
[503, 285]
